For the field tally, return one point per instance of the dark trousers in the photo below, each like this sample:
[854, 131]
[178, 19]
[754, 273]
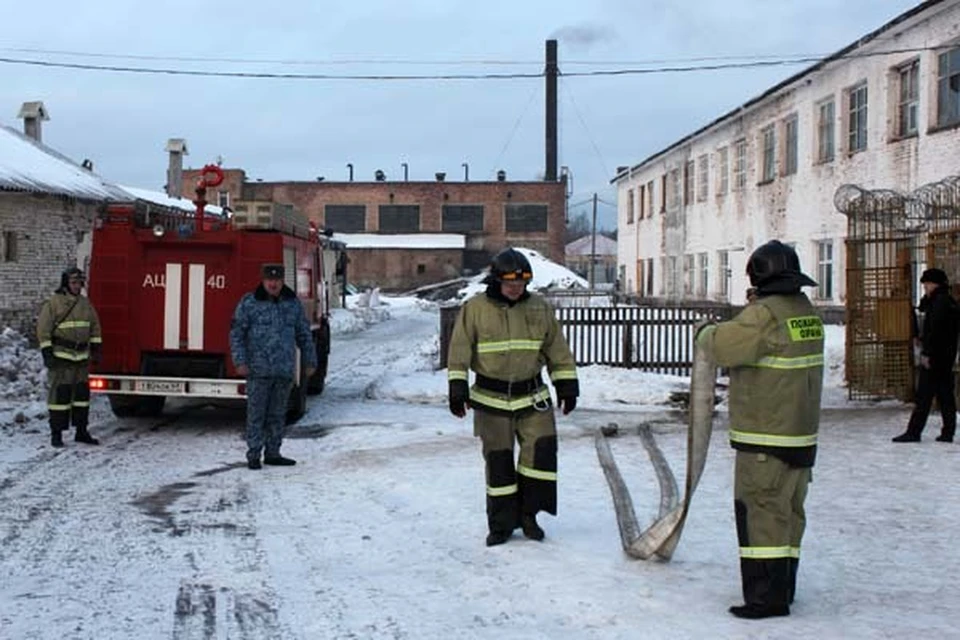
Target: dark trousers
[266, 415]
[68, 396]
[934, 383]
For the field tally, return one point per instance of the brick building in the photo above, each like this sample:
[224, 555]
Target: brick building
[488, 216]
[882, 113]
[47, 207]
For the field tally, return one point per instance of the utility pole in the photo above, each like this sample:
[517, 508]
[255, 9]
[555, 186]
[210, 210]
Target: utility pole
[593, 245]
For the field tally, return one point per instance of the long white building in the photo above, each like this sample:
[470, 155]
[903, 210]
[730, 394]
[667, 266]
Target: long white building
[882, 113]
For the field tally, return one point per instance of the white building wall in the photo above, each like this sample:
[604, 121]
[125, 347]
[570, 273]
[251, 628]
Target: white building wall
[798, 208]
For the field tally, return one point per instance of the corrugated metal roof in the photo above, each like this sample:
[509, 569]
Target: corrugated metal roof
[26, 165]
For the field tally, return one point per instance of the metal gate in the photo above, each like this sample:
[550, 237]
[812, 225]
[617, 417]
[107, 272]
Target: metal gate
[891, 238]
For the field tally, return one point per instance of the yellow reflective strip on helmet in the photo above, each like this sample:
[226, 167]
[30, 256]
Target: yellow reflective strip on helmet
[514, 404]
[800, 362]
[536, 474]
[767, 439]
[74, 324]
[45, 344]
[564, 374]
[509, 345]
[766, 553]
[58, 407]
[453, 374]
[73, 356]
[508, 490]
[804, 328]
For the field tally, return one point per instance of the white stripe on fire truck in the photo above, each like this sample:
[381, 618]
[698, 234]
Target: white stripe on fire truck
[171, 307]
[195, 304]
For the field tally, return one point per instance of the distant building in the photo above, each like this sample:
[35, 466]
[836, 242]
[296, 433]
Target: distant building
[486, 215]
[47, 207]
[883, 113]
[602, 253]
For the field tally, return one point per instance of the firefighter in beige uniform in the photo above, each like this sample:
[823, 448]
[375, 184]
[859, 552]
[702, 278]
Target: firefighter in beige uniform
[507, 336]
[68, 331]
[774, 352]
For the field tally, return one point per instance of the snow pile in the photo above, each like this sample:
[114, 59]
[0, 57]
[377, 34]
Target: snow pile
[546, 275]
[22, 375]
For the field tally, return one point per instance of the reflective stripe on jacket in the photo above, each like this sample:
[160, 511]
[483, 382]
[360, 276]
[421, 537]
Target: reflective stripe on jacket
[69, 325]
[774, 351]
[511, 343]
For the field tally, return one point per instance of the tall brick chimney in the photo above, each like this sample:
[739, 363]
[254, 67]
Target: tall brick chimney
[177, 148]
[33, 114]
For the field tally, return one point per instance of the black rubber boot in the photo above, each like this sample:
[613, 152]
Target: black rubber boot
[279, 461]
[759, 611]
[528, 522]
[907, 437]
[84, 436]
[56, 437]
[497, 537]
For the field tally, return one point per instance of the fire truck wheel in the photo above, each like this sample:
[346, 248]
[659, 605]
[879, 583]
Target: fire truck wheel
[127, 406]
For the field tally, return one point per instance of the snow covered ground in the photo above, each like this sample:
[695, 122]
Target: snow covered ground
[378, 532]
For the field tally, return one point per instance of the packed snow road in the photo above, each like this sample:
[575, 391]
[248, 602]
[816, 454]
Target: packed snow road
[162, 532]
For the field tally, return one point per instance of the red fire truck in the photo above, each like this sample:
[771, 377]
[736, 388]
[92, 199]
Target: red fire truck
[165, 285]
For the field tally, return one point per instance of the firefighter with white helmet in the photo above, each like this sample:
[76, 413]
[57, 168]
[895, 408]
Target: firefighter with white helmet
[506, 336]
[68, 331]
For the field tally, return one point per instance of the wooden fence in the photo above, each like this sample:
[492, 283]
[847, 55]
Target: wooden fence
[658, 339]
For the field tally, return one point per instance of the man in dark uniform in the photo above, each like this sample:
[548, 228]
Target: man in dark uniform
[506, 336]
[938, 353]
[774, 352]
[68, 331]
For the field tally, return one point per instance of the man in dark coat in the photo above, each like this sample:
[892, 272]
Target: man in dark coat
[938, 353]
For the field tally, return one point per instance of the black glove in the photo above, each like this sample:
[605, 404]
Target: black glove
[567, 403]
[459, 391]
[47, 353]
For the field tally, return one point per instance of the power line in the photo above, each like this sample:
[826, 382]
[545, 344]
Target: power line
[603, 164]
[516, 125]
[748, 64]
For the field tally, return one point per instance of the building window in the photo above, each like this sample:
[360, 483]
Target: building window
[768, 146]
[857, 118]
[688, 274]
[723, 274]
[677, 191]
[529, 218]
[909, 104]
[663, 193]
[345, 218]
[223, 199]
[9, 251]
[740, 165]
[650, 276]
[630, 205]
[703, 177]
[790, 152]
[663, 276]
[825, 270]
[461, 218]
[688, 177]
[650, 199]
[723, 171]
[948, 88]
[825, 131]
[674, 276]
[702, 274]
[399, 218]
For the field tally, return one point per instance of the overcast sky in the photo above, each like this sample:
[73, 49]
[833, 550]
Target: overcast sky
[284, 129]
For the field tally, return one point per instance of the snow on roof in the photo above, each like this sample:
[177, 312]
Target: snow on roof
[161, 198]
[402, 240]
[546, 275]
[27, 165]
[584, 246]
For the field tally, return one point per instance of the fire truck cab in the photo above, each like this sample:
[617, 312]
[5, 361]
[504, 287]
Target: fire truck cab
[165, 285]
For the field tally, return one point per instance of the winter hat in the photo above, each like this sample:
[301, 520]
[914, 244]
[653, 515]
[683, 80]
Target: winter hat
[272, 271]
[934, 276]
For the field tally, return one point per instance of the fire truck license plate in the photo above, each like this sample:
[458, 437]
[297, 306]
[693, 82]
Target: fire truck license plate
[159, 386]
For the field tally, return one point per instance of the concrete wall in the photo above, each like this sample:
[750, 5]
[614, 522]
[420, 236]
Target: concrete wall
[46, 230]
[797, 208]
